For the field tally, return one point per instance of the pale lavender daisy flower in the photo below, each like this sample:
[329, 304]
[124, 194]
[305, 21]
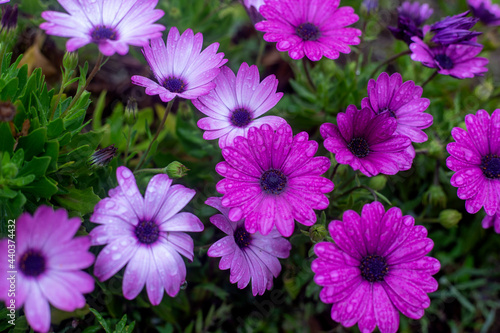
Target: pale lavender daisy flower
[49, 263]
[475, 158]
[486, 11]
[272, 178]
[311, 28]
[112, 25]
[376, 268]
[492, 221]
[457, 60]
[4, 1]
[367, 142]
[248, 256]
[180, 67]
[236, 103]
[402, 101]
[146, 234]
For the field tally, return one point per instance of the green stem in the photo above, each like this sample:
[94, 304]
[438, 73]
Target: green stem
[262, 47]
[388, 61]
[167, 111]
[430, 78]
[334, 171]
[150, 170]
[362, 39]
[308, 75]
[79, 93]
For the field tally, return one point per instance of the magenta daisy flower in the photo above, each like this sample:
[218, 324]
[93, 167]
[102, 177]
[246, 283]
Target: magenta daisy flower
[367, 142]
[47, 266]
[492, 221]
[112, 25]
[310, 28]
[272, 178]
[402, 101]
[457, 60]
[248, 256]
[179, 67]
[146, 234]
[236, 103]
[376, 268]
[475, 158]
[484, 10]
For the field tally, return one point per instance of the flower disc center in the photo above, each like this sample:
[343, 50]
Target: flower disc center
[359, 147]
[242, 237]
[490, 164]
[307, 31]
[101, 32]
[174, 85]
[444, 61]
[273, 181]
[147, 232]
[241, 117]
[373, 268]
[32, 263]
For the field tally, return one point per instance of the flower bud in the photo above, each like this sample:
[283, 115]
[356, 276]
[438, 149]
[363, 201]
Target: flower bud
[176, 170]
[368, 6]
[70, 61]
[449, 218]
[435, 196]
[9, 17]
[317, 232]
[378, 182]
[102, 157]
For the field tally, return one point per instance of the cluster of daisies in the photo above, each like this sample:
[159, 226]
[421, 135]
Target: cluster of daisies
[377, 265]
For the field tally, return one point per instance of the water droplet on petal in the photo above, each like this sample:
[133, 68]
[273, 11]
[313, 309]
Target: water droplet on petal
[184, 285]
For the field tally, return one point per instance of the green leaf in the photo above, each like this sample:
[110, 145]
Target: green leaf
[9, 91]
[52, 151]
[43, 187]
[37, 166]
[121, 324]
[7, 142]
[21, 181]
[18, 158]
[99, 108]
[82, 201]
[92, 329]
[33, 143]
[55, 128]
[101, 320]
[6, 192]
[59, 315]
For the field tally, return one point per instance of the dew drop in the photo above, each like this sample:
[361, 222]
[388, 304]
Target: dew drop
[184, 285]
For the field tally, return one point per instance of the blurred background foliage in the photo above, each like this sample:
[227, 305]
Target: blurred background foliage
[45, 151]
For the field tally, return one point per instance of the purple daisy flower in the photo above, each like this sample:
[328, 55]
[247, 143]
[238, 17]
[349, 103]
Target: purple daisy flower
[402, 101]
[457, 60]
[179, 67]
[411, 16]
[248, 256]
[4, 1]
[376, 267]
[272, 178]
[252, 8]
[49, 263]
[485, 11]
[492, 221]
[235, 103]
[454, 30]
[367, 142]
[475, 158]
[112, 25]
[147, 233]
[313, 28]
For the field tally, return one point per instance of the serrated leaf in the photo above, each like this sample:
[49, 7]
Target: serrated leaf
[33, 143]
[21, 181]
[43, 187]
[37, 166]
[55, 128]
[82, 201]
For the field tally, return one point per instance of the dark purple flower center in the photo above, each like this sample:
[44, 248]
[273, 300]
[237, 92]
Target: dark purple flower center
[147, 232]
[32, 263]
[490, 164]
[391, 113]
[373, 268]
[359, 147]
[101, 32]
[241, 117]
[307, 31]
[174, 85]
[444, 61]
[242, 237]
[273, 181]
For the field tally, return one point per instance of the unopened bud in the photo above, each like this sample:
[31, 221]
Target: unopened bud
[176, 170]
[7, 111]
[317, 232]
[449, 218]
[378, 182]
[70, 61]
[9, 17]
[102, 157]
[368, 6]
[435, 196]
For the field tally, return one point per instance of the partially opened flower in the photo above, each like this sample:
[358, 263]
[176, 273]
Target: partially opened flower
[236, 103]
[252, 7]
[376, 268]
[272, 178]
[248, 256]
[454, 30]
[484, 10]
[180, 67]
[49, 263]
[112, 25]
[402, 101]
[475, 158]
[492, 221]
[146, 234]
[411, 16]
[367, 142]
[457, 60]
[310, 28]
